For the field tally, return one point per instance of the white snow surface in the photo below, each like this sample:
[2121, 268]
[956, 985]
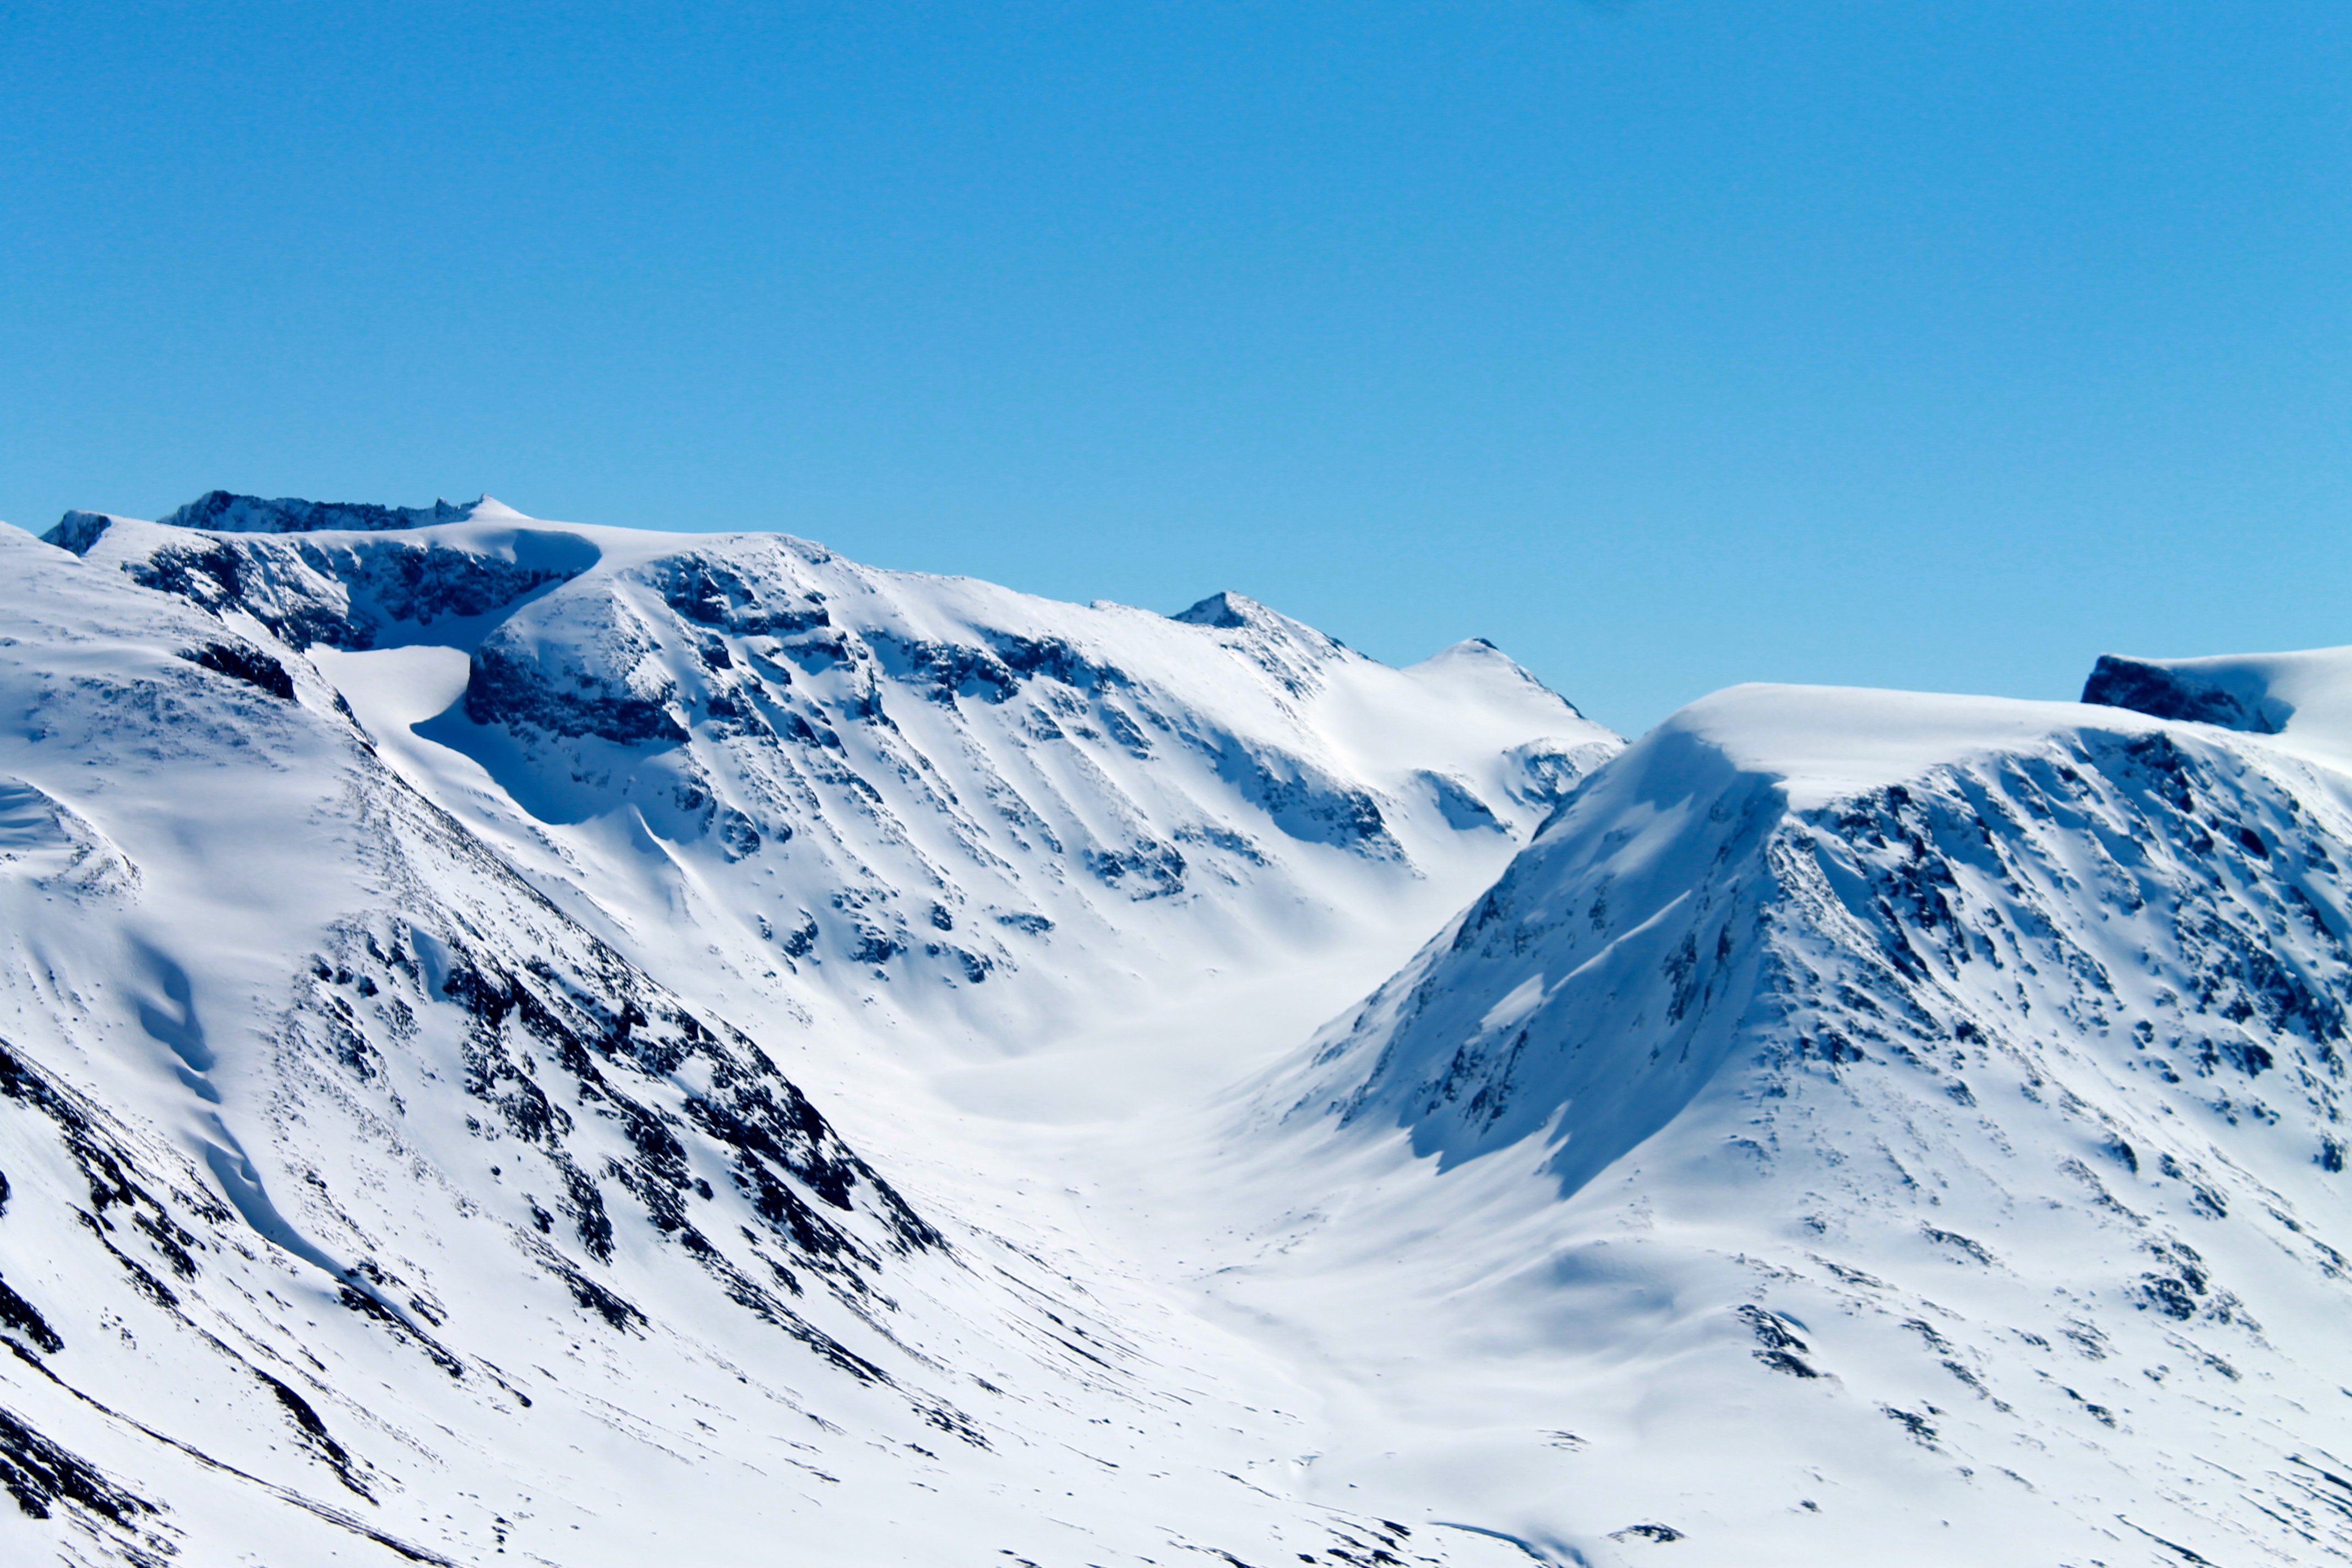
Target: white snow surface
[568, 1044]
[1864, 1118]
[417, 938]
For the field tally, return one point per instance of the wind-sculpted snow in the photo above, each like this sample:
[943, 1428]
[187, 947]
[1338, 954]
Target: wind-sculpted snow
[2015, 1032]
[45, 840]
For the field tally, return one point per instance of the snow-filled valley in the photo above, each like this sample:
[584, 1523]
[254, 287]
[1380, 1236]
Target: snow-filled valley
[529, 1041]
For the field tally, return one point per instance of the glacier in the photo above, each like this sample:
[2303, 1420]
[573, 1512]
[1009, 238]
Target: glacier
[522, 1039]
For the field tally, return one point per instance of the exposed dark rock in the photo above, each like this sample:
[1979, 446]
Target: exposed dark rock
[1459, 804]
[587, 1292]
[1918, 1424]
[221, 511]
[1033, 925]
[39, 1474]
[1222, 610]
[1958, 1243]
[1141, 870]
[2162, 693]
[315, 1434]
[20, 1316]
[504, 685]
[710, 593]
[79, 532]
[251, 665]
[1303, 801]
[797, 942]
[975, 966]
[738, 833]
[2176, 1292]
[368, 1304]
[1780, 1348]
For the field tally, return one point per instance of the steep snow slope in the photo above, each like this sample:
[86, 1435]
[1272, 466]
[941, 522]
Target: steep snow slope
[1861, 1121]
[381, 1179]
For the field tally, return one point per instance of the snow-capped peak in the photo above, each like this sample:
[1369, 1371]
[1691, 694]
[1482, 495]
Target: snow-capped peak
[1475, 663]
[1945, 1090]
[1229, 610]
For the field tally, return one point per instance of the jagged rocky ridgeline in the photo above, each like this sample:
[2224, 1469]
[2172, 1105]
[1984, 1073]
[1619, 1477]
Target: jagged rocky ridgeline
[369, 1192]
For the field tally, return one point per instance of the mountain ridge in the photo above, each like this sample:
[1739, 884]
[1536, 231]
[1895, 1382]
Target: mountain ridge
[1838, 1118]
[385, 1044]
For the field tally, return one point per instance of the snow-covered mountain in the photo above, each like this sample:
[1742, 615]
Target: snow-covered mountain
[584, 1046]
[885, 780]
[381, 1167]
[1874, 1117]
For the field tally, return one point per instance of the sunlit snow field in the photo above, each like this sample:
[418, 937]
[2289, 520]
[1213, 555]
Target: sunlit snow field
[629, 1046]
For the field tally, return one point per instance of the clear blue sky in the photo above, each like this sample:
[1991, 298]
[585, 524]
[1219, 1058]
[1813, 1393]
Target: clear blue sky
[1667, 344]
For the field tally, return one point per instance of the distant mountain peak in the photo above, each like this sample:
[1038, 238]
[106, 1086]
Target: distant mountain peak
[1479, 662]
[1474, 653]
[1229, 610]
[78, 530]
[222, 511]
